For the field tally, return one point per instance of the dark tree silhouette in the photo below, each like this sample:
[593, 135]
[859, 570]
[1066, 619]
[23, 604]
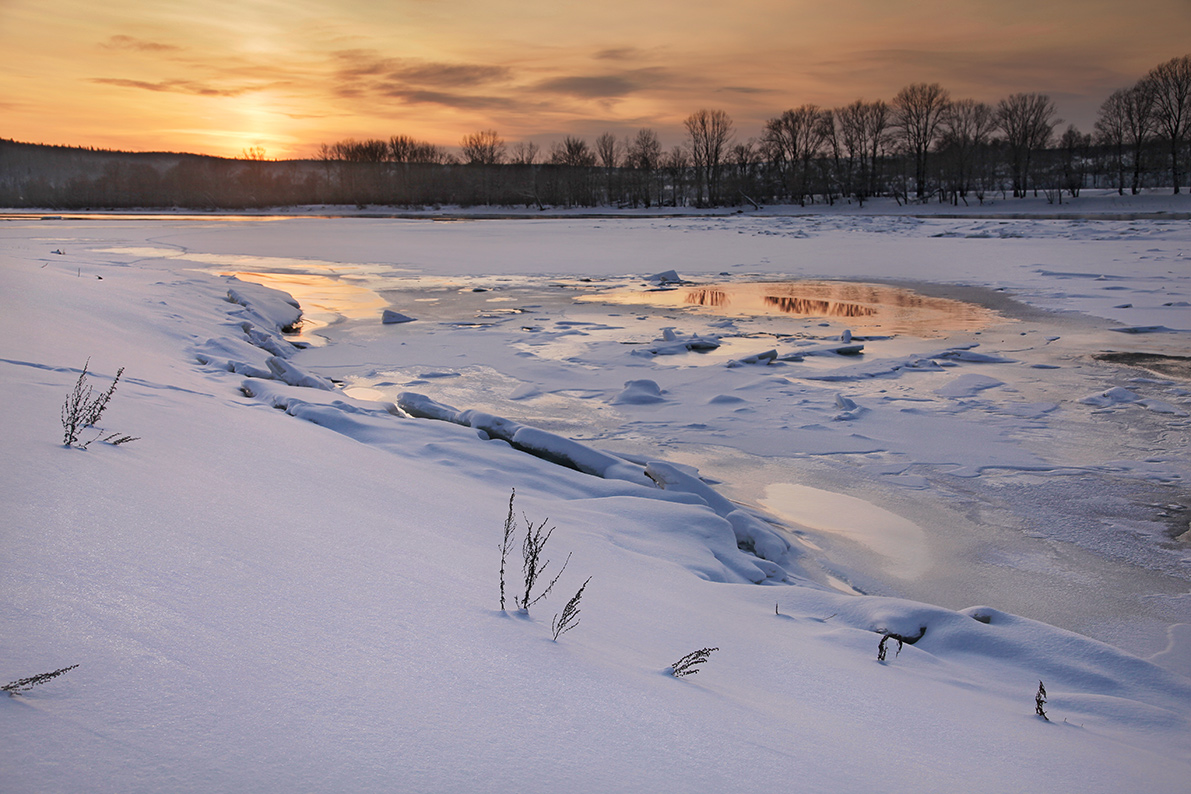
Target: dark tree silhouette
[710, 134]
[483, 148]
[1170, 83]
[1028, 120]
[918, 112]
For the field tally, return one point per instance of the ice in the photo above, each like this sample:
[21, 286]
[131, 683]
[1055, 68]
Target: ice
[639, 392]
[1110, 397]
[972, 356]
[1162, 407]
[763, 357]
[390, 317]
[1143, 329]
[423, 407]
[968, 386]
[294, 375]
[269, 307]
[673, 344]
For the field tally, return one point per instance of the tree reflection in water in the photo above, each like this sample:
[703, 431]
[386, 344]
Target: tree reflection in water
[869, 308]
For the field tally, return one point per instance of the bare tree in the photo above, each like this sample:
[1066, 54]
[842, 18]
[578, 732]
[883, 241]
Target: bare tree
[676, 163]
[792, 141]
[710, 134]
[527, 178]
[607, 149]
[746, 160]
[404, 149]
[574, 182]
[1075, 150]
[861, 133]
[643, 154]
[1140, 124]
[572, 151]
[525, 153]
[483, 148]
[1110, 131]
[918, 112]
[967, 127]
[367, 151]
[1170, 83]
[1125, 125]
[1028, 120]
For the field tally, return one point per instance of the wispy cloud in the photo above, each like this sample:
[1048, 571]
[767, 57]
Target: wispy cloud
[451, 100]
[122, 42]
[606, 86]
[365, 64]
[618, 54]
[745, 89]
[968, 71]
[176, 86]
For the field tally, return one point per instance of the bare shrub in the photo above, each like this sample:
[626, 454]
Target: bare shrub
[689, 664]
[25, 684]
[506, 545]
[569, 617]
[533, 566]
[81, 410]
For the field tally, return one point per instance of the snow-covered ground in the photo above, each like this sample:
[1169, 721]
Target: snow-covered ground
[308, 598]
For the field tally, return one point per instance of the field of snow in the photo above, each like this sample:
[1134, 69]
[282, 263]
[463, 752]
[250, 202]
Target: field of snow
[971, 429]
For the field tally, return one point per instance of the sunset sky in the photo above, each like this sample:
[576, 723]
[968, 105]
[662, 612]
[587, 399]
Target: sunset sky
[218, 76]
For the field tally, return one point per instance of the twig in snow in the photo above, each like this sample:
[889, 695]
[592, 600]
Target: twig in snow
[689, 664]
[25, 684]
[569, 618]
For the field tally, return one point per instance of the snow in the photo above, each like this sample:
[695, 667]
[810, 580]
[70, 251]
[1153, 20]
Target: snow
[289, 581]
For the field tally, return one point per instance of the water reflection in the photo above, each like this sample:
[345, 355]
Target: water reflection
[709, 296]
[867, 307]
[814, 307]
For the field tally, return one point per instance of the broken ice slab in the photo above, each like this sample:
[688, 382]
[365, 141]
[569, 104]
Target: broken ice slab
[390, 317]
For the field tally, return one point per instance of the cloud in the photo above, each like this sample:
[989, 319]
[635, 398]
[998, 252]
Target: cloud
[368, 76]
[176, 87]
[987, 72]
[365, 64]
[618, 54]
[605, 86]
[447, 99]
[450, 74]
[122, 42]
[745, 89]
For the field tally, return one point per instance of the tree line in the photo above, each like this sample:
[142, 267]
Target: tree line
[922, 145]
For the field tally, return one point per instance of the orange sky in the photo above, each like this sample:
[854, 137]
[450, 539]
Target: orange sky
[218, 76]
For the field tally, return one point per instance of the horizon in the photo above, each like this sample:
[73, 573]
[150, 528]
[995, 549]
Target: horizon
[133, 76]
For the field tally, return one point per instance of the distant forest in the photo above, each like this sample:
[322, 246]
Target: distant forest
[921, 146]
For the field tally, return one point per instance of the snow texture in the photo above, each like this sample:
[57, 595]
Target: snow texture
[289, 582]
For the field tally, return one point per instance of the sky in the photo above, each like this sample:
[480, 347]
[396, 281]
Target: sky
[221, 76]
